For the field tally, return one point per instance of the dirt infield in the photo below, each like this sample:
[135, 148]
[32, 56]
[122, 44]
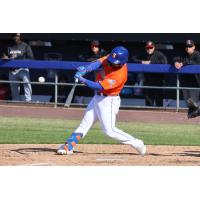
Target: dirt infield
[97, 155]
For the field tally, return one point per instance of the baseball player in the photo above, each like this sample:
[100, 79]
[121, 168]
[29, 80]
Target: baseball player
[110, 79]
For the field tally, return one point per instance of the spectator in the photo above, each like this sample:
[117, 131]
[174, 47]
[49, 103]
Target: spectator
[96, 52]
[190, 57]
[19, 50]
[152, 56]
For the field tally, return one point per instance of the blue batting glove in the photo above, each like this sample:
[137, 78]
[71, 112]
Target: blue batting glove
[77, 75]
[82, 69]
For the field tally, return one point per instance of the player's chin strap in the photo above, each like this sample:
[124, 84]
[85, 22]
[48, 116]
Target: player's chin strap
[73, 140]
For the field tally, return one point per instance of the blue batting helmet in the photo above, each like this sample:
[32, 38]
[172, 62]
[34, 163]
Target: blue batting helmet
[118, 56]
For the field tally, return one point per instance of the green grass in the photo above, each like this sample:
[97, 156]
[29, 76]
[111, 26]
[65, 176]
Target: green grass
[43, 131]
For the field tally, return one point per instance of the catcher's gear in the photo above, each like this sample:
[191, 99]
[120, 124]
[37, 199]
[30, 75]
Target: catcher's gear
[193, 109]
[118, 56]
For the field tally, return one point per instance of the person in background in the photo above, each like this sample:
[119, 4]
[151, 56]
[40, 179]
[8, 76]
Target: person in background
[95, 53]
[152, 56]
[190, 57]
[19, 50]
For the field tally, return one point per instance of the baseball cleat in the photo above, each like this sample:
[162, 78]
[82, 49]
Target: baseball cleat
[63, 150]
[141, 148]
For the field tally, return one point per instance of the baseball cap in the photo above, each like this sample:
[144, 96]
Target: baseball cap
[95, 43]
[189, 43]
[150, 44]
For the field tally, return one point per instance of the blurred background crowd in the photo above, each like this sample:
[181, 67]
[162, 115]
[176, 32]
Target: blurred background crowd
[175, 49]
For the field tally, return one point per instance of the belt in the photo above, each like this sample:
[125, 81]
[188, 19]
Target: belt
[106, 95]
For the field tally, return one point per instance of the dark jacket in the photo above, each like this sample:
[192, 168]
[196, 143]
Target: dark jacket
[152, 79]
[91, 56]
[156, 58]
[189, 80]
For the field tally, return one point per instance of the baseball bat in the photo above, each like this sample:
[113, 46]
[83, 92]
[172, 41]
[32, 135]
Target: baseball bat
[71, 94]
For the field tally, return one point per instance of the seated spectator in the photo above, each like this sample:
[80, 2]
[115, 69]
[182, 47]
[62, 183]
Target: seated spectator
[152, 56]
[95, 53]
[190, 57]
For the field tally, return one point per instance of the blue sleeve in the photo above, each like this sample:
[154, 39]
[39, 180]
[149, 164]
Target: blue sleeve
[91, 84]
[91, 67]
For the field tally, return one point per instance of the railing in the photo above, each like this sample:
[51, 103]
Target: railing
[136, 68]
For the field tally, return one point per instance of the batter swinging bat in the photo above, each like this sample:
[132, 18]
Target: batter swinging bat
[71, 94]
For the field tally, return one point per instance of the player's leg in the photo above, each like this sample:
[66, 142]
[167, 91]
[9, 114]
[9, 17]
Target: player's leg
[107, 109]
[25, 77]
[15, 88]
[149, 97]
[159, 97]
[87, 122]
[193, 109]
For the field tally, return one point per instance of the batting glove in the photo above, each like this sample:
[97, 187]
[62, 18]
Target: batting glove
[82, 70]
[78, 75]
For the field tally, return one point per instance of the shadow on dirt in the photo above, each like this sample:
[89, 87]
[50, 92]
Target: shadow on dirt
[38, 150]
[189, 153]
[33, 150]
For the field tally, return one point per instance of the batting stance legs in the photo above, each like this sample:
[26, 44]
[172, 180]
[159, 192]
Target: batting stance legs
[104, 109]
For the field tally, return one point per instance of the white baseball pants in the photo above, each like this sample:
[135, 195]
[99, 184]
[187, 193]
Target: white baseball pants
[105, 110]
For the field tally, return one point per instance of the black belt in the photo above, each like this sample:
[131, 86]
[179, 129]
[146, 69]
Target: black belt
[105, 95]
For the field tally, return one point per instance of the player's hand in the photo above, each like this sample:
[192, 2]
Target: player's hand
[5, 57]
[77, 75]
[79, 79]
[82, 69]
[146, 62]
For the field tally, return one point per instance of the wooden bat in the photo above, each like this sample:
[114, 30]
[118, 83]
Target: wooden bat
[71, 94]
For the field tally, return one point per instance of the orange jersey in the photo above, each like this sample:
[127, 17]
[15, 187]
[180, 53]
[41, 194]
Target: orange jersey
[111, 79]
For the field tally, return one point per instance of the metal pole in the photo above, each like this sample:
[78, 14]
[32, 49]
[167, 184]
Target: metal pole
[177, 93]
[56, 90]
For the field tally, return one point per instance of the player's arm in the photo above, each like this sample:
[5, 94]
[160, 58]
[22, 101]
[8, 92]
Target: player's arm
[91, 84]
[82, 70]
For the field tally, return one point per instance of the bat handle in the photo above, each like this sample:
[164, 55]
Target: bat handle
[76, 80]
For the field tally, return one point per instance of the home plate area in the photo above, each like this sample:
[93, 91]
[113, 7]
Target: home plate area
[98, 155]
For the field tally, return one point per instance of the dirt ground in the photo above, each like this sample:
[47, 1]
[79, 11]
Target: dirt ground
[97, 155]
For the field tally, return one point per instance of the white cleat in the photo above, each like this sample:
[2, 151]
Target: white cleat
[141, 148]
[63, 150]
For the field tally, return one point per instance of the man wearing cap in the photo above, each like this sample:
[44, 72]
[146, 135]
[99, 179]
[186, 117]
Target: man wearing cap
[190, 57]
[19, 50]
[152, 56]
